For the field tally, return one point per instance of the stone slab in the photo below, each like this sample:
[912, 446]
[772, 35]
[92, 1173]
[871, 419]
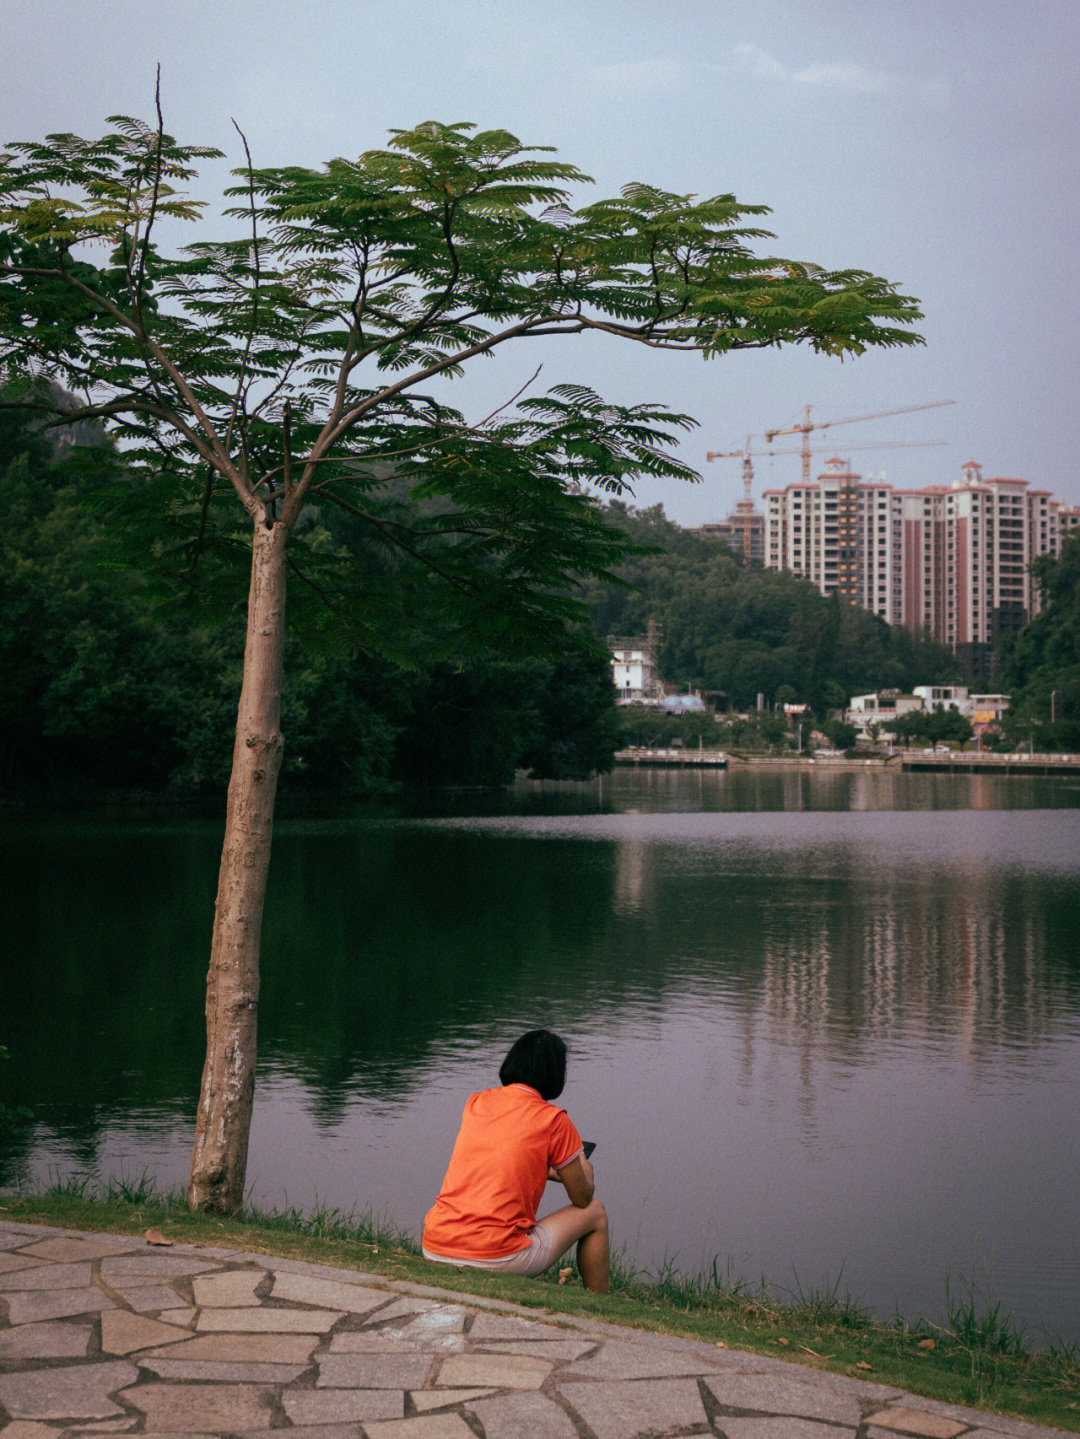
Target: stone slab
[435, 1327]
[50, 1340]
[79, 1392]
[235, 1288]
[372, 1371]
[212, 1371]
[122, 1332]
[268, 1321]
[622, 1410]
[73, 1248]
[523, 1416]
[327, 1293]
[488, 1325]
[316, 1431]
[151, 1298]
[10, 1262]
[210, 1408]
[779, 1394]
[28, 1429]
[55, 1304]
[160, 1434]
[622, 1359]
[342, 1406]
[14, 1235]
[370, 1341]
[904, 1420]
[427, 1426]
[563, 1350]
[787, 1427]
[244, 1348]
[496, 1371]
[151, 1267]
[427, 1399]
[47, 1276]
[407, 1306]
[109, 1426]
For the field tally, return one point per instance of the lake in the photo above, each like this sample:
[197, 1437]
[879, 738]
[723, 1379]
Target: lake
[824, 1025]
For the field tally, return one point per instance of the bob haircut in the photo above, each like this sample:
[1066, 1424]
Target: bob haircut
[537, 1059]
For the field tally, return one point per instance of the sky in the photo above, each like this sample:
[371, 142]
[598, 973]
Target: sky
[933, 142]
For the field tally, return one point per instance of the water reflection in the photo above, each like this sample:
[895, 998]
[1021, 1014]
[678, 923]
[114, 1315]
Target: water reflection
[819, 1034]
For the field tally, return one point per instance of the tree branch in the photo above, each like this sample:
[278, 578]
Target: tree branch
[212, 451]
[249, 339]
[140, 279]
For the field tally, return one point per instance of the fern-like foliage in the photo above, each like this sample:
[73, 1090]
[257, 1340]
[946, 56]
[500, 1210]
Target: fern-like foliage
[284, 364]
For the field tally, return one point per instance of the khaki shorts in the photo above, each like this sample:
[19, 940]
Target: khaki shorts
[537, 1256]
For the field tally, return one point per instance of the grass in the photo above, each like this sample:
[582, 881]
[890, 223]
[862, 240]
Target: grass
[975, 1357]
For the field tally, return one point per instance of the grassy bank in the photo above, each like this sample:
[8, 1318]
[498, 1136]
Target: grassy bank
[976, 1357]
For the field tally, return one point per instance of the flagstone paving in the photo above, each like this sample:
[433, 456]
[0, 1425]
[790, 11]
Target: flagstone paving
[101, 1334]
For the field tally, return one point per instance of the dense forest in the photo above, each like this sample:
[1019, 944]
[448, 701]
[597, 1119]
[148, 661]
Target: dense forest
[122, 669]
[115, 681]
[1041, 664]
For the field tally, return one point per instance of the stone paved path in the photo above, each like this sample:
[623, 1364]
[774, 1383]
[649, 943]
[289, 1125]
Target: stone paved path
[103, 1334]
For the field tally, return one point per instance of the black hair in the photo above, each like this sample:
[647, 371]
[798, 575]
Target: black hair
[539, 1060]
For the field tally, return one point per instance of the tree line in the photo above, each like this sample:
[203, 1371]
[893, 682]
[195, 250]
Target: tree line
[121, 689]
[113, 684]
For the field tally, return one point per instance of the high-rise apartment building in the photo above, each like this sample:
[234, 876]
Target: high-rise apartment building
[950, 561]
[841, 535]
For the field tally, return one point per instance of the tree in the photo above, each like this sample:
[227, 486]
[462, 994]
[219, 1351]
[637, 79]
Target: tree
[251, 376]
[914, 725]
[841, 734]
[1042, 663]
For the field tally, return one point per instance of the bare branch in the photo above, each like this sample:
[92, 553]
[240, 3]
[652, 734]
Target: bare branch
[333, 431]
[305, 579]
[286, 440]
[399, 543]
[197, 546]
[507, 403]
[139, 283]
[249, 340]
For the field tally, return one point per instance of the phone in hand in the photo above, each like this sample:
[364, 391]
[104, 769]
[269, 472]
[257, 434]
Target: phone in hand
[589, 1146]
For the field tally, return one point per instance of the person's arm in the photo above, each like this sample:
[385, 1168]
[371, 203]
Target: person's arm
[576, 1177]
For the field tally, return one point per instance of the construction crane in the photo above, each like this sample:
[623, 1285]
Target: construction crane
[805, 427]
[744, 510]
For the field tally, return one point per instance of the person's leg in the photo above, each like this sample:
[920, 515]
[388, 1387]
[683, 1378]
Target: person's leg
[588, 1228]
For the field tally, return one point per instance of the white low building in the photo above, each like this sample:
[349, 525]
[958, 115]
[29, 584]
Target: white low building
[633, 667]
[984, 708]
[882, 709]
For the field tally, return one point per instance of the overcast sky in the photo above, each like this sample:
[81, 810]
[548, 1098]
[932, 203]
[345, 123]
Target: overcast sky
[934, 142]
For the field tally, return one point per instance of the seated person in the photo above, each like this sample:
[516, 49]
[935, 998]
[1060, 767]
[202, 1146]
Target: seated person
[511, 1142]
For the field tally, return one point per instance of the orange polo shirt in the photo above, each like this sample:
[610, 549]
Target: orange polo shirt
[509, 1137]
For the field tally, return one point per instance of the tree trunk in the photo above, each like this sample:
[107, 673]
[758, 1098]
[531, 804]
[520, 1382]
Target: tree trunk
[219, 1156]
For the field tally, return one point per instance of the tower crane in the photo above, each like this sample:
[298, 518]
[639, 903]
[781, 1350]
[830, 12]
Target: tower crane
[744, 510]
[805, 427]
